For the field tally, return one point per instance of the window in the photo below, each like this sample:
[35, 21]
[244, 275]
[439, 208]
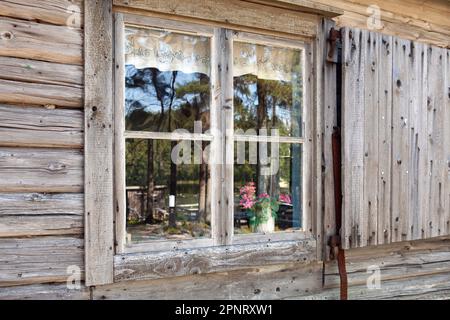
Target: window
[177, 134]
[167, 90]
[268, 99]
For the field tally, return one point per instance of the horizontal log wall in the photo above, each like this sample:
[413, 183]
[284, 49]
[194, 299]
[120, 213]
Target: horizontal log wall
[41, 147]
[420, 20]
[409, 270]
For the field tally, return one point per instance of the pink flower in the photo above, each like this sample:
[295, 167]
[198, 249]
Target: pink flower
[264, 196]
[284, 198]
[248, 196]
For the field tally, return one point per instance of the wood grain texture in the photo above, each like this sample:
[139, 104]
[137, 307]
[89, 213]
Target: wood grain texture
[385, 139]
[41, 170]
[371, 152]
[41, 72]
[25, 215]
[320, 55]
[39, 41]
[401, 143]
[252, 283]
[395, 262]
[99, 138]
[232, 13]
[309, 182]
[38, 260]
[303, 6]
[352, 135]
[423, 21]
[25, 93]
[41, 292]
[120, 202]
[402, 85]
[41, 127]
[418, 287]
[225, 233]
[168, 264]
[58, 12]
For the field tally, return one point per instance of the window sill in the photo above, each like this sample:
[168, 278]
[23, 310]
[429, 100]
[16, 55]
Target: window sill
[177, 263]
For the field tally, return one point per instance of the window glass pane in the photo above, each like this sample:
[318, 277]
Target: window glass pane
[268, 191]
[152, 173]
[167, 85]
[268, 89]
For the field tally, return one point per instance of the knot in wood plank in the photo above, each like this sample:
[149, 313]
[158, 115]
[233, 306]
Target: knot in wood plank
[7, 35]
[56, 166]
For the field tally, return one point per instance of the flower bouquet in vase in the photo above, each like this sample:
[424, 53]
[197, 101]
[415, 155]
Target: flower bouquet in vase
[262, 209]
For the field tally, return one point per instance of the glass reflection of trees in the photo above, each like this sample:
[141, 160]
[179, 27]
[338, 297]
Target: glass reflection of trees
[272, 104]
[163, 102]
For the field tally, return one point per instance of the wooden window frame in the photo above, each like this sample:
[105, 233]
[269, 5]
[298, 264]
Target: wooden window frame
[222, 119]
[120, 134]
[105, 265]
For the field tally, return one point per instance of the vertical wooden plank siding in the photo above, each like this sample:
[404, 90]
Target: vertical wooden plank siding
[400, 140]
[396, 140]
[413, 229]
[435, 139]
[355, 42]
[99, 137]
[422, 130]
[371, 74]
[384, 138]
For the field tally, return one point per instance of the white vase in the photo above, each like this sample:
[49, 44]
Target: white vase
[269, 225]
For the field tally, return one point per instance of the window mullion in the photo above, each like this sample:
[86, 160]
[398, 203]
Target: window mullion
[222, 151]
[119, 137]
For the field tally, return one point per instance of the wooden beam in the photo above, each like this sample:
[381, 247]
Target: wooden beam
[58, 12]
[252, 283]
[38, 260]
[40, 41]
[26, 93]
[306, 6]
[40, 72]
[25, 215]
[41, 292]
[99, 136]
[168, 264]
[41, 170]
[234, 14]
[41, 127]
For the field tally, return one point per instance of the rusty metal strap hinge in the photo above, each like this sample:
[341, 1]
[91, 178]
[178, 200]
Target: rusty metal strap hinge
[333, 38]
[335, 242]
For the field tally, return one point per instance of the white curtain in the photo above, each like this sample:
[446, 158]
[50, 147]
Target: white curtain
[268, 63]
[168, 51]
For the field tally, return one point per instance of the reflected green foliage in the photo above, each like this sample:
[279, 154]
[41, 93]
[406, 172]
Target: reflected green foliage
[165, 101]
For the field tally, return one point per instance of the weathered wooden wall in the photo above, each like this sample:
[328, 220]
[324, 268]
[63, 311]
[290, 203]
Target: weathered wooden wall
[419, 20]
[408, 270]
[396, 120]
[41, 142]
[42, 171]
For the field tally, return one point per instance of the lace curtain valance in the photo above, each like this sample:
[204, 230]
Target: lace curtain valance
[168, 51]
